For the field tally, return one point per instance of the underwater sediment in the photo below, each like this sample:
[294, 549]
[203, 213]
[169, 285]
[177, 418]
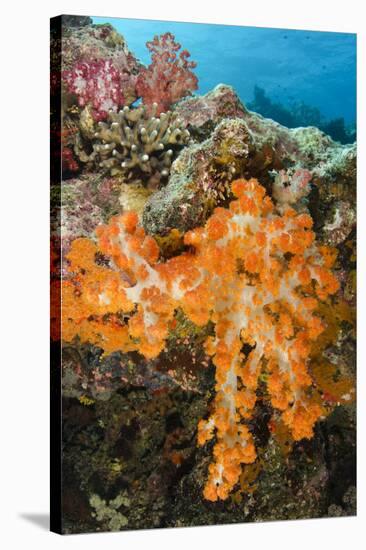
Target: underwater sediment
[176, 410]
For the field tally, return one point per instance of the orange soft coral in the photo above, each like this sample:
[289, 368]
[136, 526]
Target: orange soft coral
[98, 295]
[257, 275]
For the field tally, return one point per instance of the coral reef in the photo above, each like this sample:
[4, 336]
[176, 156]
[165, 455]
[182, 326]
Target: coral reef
[134, 196]
[203, 113]
[134, 143]
[76, 21]
[96, 83]
[118, 445]
[97, 68]
[90, 42]
[199, 179]
[97, 73]
[79, 206]
[343, 221]
[270, 310]
[169, 77]
[246, 146]
[208, 359]
[100, 76]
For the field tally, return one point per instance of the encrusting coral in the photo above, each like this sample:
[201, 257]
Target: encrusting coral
[132, 141]
[256, 274]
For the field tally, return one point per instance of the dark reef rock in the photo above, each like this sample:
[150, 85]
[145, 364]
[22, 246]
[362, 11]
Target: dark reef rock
[76, 21]
[137, 449]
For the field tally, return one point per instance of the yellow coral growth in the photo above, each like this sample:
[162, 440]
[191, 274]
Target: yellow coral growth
[257, 275]
[336, 382]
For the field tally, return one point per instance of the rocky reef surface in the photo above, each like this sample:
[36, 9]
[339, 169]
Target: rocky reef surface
[233, 142]
[130, 457]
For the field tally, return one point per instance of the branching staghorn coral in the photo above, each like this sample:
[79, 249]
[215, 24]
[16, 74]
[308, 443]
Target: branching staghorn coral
[257, 275]
[132, 141]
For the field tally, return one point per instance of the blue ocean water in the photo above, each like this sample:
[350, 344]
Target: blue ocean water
[317, 68]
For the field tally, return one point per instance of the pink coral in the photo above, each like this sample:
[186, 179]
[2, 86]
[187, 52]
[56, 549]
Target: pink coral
[97, 83]
[168, 78]
[289, 187]
[69, 164]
